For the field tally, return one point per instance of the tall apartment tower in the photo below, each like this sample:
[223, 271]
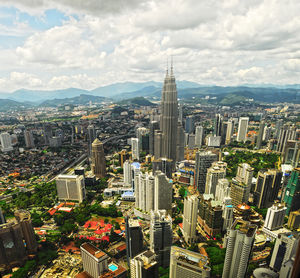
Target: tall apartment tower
[275, 217]
[134, 238]
[5, 139]
[169, 116]
[70, 188]
[204, 160]
[98, 159]
[190, 212]
[245, 174]
[95, 262]
[189, 264]
[144, 192]
[163, 192]
[227, 217]
[29, 140]
[189, 124]
[127, 173]
[158, 141]
[144, 265]
[135, 148]
[284, 250]
[267, 188]
[260, 134]
[161, 236]
[24, 219]
[199, 133]
[214, 174]
[154, 125]
[242, 130]
[238, 249]
[292, 192]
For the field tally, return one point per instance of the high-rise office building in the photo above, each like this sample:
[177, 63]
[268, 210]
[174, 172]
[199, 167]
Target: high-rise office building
[180, 113]
[210, 215]
[227, 217]
[275, 217]
[242, 130]
[180, 143]
[229, 131]
[163, 192]
[239, 243]
[158, 141]
[218, 125]
[135, 148]
[161, 236]
[189, 124]
[169, 116]
[284, 250]
[154, 125]
[144, 265]
[278, 127]
[191, 141]
[70, 188]
[292, 192]
[189, 264]
[291, 153]
[5, 139]
[190, 212]
[286, 133]
[294, 220]
[127, 173]
[29, 140]
[204, 160]
[239, 193]
[91, 133]
[222, 190]
[267, 188]
[142, 134]
[164, 165]
[199, 136]
[134, 238]
[98, 159]
[267, 133]
[244, 174]
[95, 261]
[24, 219]
[260, 134]
[214, 173]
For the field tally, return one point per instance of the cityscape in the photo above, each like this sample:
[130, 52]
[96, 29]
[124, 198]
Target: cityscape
[162, 176]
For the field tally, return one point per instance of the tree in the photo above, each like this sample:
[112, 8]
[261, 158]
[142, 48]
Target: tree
[181, 192]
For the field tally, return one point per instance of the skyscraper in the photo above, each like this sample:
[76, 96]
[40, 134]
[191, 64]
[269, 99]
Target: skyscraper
[154, 125]
[144, 265]
[275, 217]
[214, 173]
[242, 130]
[189, 124]
[95, 262]
[134, 238]
[169, 116]
[144, 192]
[199, 136]
[135, 148]
[284, 249]
[189, 264]
[161, 236]
[267, 188]
[292, 192]
[127, 173]
[70, 187]
[222, 190]
[204, 160]
[6, 145]
[98, 159]
[190, 212]
[218, 125]
[260, 134]
[180, 142]
[239, 243]
[229, 131]
[286, 133]
[29, 140]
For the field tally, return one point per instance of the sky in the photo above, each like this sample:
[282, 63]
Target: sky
[56, 44]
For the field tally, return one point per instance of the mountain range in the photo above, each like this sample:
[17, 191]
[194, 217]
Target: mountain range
[151, 90]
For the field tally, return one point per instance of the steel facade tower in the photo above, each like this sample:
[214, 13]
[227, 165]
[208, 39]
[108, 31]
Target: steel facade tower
[169, 117]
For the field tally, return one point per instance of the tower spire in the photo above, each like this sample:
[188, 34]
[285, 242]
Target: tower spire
[171, 65]
[167, 71]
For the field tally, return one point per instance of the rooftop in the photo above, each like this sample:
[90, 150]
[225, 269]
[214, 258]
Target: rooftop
[94, 251]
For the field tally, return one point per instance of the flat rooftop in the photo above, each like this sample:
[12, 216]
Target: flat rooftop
[94, 251]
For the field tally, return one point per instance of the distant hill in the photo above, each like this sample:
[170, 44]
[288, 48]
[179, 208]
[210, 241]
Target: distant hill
[8, 104]
[140, 101]
[83, 99]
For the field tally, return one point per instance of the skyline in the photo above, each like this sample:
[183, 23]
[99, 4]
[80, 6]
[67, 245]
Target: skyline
[86, 44]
